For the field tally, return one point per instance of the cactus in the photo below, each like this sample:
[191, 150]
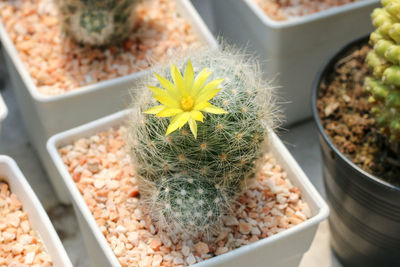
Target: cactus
[98, 22]
[190, 176]
[384, 62]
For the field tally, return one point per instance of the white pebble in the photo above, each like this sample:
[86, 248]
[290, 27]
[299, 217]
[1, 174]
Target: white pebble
[30, 257]
[25, 239]
[157, 259]
[231, 221]
[300, 215]
[17, 249]
[178, 261]
[20, 29]
[255, 231]
[293, 197]
[191, 259]
[8, 236]
[281, 199]
[99, 183]
[112, 184]
[185, 251]
[276, 212]
[120, 229]
[119, 249]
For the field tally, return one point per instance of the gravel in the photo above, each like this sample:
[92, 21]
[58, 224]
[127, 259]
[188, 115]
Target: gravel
[125, 222]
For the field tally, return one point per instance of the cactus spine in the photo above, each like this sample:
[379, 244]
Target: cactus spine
[97, 22]
[384, 62]
[189, 183]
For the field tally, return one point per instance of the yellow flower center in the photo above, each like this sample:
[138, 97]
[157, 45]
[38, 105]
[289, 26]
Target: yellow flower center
[187, 103]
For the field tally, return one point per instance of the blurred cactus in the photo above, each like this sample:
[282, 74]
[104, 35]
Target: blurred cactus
[97, 22]
[384, 62]
[190, 178]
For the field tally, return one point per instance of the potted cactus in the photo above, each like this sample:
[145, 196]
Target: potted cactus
[192, 167]
[79, 57]
[194, 170]
[356, 108]
[98, 22]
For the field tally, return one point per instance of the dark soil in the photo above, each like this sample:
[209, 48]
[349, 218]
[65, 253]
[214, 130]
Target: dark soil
[344, 111]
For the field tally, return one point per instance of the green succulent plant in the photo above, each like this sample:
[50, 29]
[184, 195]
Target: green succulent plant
[384, 62]
[98, 22]
[192, 167]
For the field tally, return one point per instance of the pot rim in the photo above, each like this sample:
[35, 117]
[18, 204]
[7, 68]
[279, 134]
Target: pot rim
[309, 18]
[314, 95]
[3, 109]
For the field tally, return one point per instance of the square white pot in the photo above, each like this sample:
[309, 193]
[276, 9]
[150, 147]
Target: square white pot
[283, 249]
[45, 115]
[38, 218]
[3, 111]
[292, 51]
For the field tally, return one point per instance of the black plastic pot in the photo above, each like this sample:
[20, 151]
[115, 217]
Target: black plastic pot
[365, 210]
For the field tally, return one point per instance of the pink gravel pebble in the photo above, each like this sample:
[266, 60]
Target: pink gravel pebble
[244, 228]
[201, 248]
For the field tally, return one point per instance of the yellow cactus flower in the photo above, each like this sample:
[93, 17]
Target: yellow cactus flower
[186, 98]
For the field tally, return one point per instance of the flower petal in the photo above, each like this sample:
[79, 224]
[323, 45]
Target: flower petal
[154, 110]
[169, 112]
[206, 95]
[197, 115]
[193, 127]
[157, 90]
[170, 87]
[173, 125]
[184, 119]
[211, 86]
[214, 110]
[201, 105]
[178, 80]
[189, 75]
[199, 81]
[177, 122]
[167, 100]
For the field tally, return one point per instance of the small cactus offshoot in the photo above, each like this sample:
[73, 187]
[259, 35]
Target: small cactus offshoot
[384, 62]
[192, 167]
[97, 22]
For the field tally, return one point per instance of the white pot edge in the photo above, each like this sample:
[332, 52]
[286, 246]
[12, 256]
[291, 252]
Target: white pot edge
[116, 119]
[3, 109]
[38, 218]
[184, 5]
[307, 18]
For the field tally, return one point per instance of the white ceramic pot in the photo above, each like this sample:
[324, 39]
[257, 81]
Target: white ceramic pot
[293, 51]
[205, 9]
[38, 218]
[283, 249]
[45, 115]
[3, 111]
